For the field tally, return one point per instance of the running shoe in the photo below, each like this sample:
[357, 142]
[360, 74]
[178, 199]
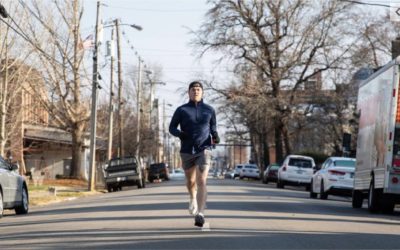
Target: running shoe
[199, 220]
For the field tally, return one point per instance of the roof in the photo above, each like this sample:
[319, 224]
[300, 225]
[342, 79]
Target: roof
[57, 135]
[338, 158]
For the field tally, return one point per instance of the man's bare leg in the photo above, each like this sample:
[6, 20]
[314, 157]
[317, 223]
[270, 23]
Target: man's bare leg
[192, 189]
[201, 179]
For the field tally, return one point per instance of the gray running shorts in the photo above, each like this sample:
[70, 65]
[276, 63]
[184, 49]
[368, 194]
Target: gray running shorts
[201, 160]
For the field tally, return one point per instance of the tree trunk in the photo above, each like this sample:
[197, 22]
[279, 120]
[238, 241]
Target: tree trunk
[278, 141]
[77, 144]
[265, 144]
[256, 149]
[286, 140]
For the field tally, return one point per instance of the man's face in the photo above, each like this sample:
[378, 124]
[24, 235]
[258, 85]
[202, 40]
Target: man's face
[195, 94]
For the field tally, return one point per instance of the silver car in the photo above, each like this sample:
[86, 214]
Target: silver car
[13, 189]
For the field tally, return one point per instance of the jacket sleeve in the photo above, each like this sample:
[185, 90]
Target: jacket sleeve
[173, 125]
[213, 124]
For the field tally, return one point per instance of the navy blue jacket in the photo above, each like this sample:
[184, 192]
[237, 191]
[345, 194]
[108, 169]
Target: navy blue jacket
[197, 124]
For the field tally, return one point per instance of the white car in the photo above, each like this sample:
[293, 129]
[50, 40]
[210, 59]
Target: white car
[13, 189]
[250, 171]
[237, 170]
[296, 170]
[336, 176]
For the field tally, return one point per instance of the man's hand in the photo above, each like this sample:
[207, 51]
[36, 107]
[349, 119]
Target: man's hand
[215, 139]
[182, 136]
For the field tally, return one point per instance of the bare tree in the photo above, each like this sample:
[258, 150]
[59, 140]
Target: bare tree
[16, 75]
[287, 42]
[55, 33]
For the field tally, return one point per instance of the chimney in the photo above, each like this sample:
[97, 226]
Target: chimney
[396, 48]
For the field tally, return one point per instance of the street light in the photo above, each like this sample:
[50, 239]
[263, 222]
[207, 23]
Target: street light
[3, 11]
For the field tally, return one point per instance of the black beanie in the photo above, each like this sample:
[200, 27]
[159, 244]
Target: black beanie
[195, 84]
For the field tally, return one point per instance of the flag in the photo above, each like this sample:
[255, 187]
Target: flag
[87, 43]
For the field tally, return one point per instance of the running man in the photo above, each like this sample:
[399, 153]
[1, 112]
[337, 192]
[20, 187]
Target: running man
[198, 132]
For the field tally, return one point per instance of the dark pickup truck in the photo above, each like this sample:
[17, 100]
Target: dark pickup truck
[126, 171]
[158, 171]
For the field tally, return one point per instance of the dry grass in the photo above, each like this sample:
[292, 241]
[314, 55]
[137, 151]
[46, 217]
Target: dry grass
[66, 182]
[40, 195]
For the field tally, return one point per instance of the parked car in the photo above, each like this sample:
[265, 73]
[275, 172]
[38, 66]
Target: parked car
[13, 189]
[177, 174]
[335, 177]
[296, 170]
[125, 171]
[271, 173]
[229, 174]
[237, 170]
[250, 171]
[158, 171]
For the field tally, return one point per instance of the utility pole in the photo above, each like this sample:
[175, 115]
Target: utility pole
[158, 131]
[120, 119]
[93, 115]
[150, 111]
[139, 83]
[111, 106]
[4, 100]
[4, 89]
[164, 134]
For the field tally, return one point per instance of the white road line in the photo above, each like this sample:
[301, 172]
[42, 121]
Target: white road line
[206, 227]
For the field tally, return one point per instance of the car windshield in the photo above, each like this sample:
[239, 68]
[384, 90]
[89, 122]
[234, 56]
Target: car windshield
[345, 163]
[123, 161]
[239, 166]
[250, 166]
[302, 163]
[274, 167]
[157, 166]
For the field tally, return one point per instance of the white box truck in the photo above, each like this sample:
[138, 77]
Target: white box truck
[377, 174]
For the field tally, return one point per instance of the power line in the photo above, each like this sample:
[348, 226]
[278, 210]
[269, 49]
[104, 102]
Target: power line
[158, 10]
[366, 3]
[29, 40]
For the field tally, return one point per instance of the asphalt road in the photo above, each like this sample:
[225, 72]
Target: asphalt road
[240, 215]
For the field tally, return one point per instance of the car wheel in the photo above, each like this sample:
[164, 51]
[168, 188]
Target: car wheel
[323, 195]
[373, 198]
[109, 188]
[151, 180]
[357, 199]
[387, 207]
[1, 204]
[313, 195]
[24, 207]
